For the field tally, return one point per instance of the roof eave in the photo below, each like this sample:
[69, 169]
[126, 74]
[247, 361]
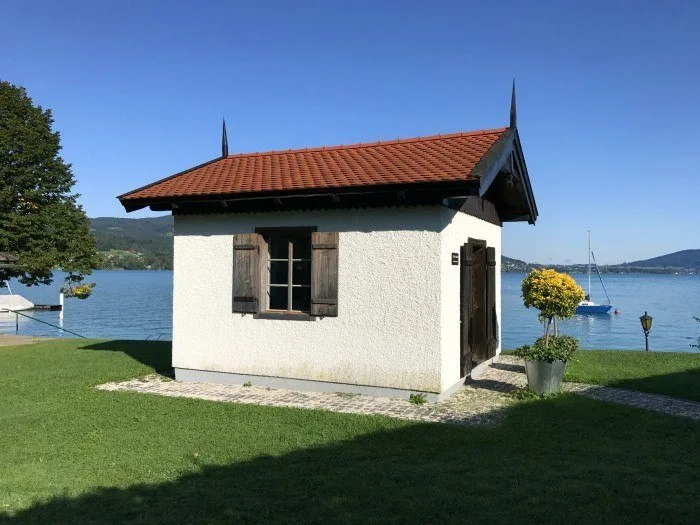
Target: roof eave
[164, 179]
[443, 189]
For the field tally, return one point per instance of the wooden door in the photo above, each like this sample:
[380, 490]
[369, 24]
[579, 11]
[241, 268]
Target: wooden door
[474, 346]
[465, 277]
[478, 330]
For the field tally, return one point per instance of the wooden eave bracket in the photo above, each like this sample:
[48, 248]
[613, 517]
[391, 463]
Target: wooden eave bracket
[506, 154]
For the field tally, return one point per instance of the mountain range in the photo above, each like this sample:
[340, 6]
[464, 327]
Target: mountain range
[147, 244]
[685, 261]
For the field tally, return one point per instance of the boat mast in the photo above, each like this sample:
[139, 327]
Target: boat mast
[589, 264]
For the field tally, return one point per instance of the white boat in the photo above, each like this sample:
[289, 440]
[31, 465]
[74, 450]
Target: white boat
[14, 302]
[587, 306]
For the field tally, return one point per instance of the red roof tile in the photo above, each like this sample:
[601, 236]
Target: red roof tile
[439, 158]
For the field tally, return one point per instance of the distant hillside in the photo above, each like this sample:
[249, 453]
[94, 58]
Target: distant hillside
[686, 261]
[135, 244]
[514, 265]
[140, 244]
[682, 259]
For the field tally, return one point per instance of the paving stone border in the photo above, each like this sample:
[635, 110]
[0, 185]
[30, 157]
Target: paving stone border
[471, 405]
[480, 402]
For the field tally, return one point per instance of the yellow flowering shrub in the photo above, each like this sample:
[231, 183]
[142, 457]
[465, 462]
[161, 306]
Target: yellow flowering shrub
[81, 291]
[554, 294]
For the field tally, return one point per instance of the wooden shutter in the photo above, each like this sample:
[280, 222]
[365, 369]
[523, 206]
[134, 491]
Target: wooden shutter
[246, 272]
[324, 274]
[465, 309]
[491, 314]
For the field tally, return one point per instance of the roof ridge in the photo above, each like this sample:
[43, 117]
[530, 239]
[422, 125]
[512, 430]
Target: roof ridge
[358, 145]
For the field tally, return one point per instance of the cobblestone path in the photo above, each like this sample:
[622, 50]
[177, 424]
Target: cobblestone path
[480, 402]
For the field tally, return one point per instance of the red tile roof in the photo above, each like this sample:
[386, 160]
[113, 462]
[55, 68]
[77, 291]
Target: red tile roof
[439, 158]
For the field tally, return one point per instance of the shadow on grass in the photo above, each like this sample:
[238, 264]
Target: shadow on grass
[683, 385]
[156, 354]
[666, 373]
[568, 460]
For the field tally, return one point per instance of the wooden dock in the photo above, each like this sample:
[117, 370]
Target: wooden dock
[50, 307]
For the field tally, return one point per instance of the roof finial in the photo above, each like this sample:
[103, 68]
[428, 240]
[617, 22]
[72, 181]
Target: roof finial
[513, 112]
[224, 141]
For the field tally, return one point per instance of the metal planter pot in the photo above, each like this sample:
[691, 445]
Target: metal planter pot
[544, 377]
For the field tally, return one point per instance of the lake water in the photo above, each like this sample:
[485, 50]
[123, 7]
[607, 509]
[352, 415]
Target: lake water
[137, 305]
[124, 304]
[672, 300]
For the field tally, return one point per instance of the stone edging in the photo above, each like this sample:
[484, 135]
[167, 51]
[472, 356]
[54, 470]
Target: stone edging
[469, 406]
[482, 401]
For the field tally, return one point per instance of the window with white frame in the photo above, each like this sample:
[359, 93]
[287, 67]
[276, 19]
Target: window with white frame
[289, 271]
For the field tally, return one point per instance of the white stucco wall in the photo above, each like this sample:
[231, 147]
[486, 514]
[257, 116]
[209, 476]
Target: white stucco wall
[393, 329]
[459, 227]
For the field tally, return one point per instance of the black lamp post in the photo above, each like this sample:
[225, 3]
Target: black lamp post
[646, 326]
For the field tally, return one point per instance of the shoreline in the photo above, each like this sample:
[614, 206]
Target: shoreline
[556, 267]
[16, 340]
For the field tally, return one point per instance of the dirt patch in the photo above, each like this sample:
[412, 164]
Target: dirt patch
[14, 340]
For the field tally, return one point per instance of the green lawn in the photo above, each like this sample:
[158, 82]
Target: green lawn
[70, 453]
[672, 374]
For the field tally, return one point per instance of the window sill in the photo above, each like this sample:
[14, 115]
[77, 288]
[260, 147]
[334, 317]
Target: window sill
[284, 316]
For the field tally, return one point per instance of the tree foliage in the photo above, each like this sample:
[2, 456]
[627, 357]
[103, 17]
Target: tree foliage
[40, 220]
[554, 294]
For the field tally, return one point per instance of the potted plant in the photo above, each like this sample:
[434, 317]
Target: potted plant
[555, 295]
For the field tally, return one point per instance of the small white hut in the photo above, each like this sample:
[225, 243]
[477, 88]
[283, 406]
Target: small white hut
[372, 268]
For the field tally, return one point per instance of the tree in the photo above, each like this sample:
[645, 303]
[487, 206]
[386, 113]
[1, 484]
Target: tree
[41, 222]
[554, 294]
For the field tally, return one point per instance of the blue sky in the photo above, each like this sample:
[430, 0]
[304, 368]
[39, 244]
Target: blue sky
[608, 97]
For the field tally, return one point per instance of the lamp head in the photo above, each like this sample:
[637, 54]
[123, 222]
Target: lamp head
[646, 322]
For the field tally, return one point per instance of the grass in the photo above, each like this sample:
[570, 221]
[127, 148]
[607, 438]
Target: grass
[73, 454]
[671, 374]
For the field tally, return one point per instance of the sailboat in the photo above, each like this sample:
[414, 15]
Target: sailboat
[587, 306]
